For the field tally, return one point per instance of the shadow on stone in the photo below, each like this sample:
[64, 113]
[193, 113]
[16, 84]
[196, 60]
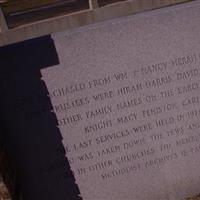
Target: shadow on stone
[33, 140]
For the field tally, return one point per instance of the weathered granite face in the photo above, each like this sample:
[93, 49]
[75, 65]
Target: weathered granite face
[126, 95]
